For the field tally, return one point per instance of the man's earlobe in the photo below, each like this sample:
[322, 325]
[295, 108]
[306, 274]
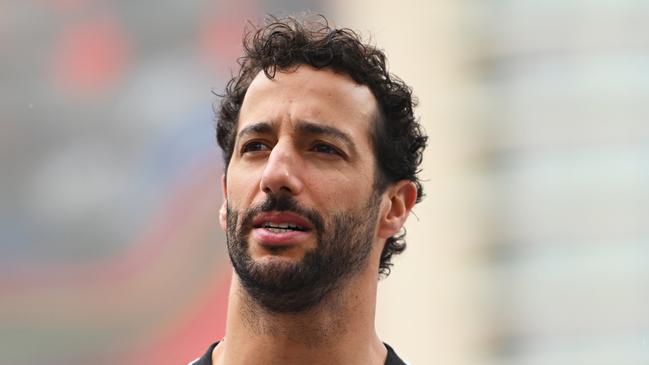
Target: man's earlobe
[223, 212]
[402, 197]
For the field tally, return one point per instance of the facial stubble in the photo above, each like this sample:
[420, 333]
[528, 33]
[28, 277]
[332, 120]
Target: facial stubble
[343, 246]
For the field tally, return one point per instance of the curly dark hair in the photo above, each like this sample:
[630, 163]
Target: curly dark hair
[287, 43]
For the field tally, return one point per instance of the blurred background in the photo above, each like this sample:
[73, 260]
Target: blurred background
[530, 248]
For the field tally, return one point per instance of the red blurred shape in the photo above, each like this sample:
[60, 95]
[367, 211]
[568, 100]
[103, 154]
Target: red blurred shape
[191, 336]
[90, 56]
[220, 35]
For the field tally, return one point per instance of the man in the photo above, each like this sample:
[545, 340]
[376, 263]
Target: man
[321, 152]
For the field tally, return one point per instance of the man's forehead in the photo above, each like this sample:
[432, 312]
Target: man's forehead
[300, 73]
[306, 93]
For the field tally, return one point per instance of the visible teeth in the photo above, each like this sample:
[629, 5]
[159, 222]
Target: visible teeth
[282, 227]
[278, 230]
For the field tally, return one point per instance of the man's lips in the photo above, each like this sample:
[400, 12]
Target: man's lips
[282, 220]
[280, 228]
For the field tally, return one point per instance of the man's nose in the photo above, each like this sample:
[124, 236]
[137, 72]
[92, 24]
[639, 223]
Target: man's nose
[283, 171]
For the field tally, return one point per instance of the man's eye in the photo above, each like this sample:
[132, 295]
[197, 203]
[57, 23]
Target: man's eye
[254, 146]
[325, 148]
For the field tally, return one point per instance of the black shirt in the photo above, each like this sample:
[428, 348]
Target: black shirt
[206, 359]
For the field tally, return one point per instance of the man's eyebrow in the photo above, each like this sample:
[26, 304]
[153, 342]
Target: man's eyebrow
[255, 128]
[305, 127]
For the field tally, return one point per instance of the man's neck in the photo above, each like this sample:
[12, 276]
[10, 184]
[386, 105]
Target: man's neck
[340, 330]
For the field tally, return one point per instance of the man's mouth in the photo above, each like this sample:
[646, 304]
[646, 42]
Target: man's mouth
[282, 227]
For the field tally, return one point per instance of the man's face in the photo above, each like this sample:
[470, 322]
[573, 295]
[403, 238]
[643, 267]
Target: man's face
[301, 210]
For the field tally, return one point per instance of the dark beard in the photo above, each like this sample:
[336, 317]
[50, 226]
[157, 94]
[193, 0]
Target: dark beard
[342, 249]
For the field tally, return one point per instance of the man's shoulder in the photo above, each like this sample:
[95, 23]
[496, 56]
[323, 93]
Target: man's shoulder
[393, 358]
[206, 359]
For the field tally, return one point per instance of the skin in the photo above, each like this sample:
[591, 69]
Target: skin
[328, 169]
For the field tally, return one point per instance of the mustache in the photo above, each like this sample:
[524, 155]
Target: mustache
[281, 203]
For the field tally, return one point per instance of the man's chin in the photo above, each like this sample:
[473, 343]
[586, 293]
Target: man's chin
[295, 251]
[289, 253]
[276, 261]
[274, 267]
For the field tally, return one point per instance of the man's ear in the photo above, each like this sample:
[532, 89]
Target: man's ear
[401, 197]
[223, 212]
